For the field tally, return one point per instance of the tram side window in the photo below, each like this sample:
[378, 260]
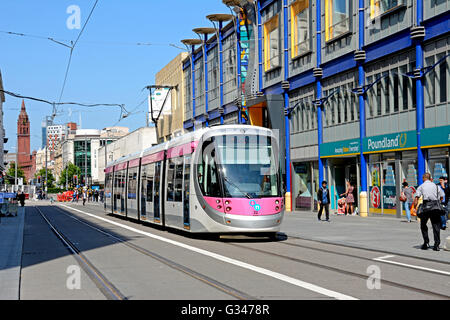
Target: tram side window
[178, 183]
[170, 176]
[117, 184]
[207, 173]
[149, 173]
[132, 183]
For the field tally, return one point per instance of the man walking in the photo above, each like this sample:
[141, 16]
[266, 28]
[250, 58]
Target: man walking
[430, 192]
[323, 196]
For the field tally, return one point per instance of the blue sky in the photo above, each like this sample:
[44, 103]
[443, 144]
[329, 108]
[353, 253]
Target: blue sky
[99, 73]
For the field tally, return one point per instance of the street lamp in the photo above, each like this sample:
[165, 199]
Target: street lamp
[192, 43]
[204, 32]
[220, 18]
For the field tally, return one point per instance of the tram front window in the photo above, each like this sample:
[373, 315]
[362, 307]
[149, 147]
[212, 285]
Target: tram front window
[247, 166]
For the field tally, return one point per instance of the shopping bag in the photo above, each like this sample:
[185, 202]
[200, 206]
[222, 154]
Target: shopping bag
[413, 211]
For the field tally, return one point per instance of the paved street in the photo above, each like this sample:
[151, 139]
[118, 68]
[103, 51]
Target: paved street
[121, 259]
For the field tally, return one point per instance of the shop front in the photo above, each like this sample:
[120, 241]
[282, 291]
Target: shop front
[341, 159]
[437, 143]
[392, 160]
[305, 184]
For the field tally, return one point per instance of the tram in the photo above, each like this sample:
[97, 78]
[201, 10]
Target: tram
[223, 179]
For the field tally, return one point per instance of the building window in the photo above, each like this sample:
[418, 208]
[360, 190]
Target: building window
[378, 7]
[300, 35]
[271, 44]
[341, 106]
[337, 18]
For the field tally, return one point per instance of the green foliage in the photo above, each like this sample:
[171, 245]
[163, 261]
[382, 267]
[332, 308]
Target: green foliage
[50, 177]
[70, 171]
[10, 174]
[54, 190]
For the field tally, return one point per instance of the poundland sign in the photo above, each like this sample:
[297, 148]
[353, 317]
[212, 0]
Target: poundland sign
[390, 142]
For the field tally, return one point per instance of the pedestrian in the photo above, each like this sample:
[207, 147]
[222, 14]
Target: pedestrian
[431, 195]
[21, 199]
[407, 196]
[349, 198]
[96, 195]
[84, 195]
[443, 185]
[323, 196]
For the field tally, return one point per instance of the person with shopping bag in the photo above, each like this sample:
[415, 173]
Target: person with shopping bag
[430, 209]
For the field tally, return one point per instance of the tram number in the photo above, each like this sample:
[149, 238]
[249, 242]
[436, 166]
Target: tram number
[247, 309]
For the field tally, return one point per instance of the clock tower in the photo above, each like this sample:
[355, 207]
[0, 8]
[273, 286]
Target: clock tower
[24, 157]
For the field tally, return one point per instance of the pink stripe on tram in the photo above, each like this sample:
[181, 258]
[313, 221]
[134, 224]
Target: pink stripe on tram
[155, 157]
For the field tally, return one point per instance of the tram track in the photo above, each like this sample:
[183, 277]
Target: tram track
[170, 263]
[99, 279]
[357, 248]
[339, 270]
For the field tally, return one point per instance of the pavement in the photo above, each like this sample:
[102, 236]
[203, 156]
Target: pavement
[387, 234]
[11, 240]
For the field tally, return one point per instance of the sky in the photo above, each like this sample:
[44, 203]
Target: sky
[107, 66]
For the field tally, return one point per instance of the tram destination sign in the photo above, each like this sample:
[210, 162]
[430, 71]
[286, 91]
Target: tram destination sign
[339, 148]
[390, 142]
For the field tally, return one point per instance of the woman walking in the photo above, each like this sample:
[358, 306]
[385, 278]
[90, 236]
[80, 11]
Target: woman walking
[407, 196]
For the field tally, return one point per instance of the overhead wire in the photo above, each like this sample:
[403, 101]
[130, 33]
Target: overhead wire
[64, 42]
[73, 47]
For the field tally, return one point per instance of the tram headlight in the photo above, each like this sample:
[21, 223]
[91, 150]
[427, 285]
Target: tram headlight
[277, 202]
[227, 202]
[277, 208]
[228, 209]
[217, 201]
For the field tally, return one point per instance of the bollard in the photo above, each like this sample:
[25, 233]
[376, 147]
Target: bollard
[363, 212]
[447, 244]
[287, 201]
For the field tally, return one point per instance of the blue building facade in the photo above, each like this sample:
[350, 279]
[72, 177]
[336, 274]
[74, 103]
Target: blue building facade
[359, 91]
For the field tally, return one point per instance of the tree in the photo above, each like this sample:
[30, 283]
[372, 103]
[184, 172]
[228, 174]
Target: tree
[11, 173]
[70, 171]
[50, 177]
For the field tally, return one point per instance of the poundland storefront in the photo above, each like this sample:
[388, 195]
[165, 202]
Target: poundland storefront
[391, 160]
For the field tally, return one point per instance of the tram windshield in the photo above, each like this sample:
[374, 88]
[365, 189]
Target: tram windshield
[247, 166]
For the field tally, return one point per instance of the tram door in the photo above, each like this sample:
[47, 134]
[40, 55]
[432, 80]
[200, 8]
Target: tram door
[156, 194]
[186, 193]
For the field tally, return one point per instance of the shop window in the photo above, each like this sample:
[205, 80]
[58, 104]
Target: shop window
[300, 31]
[379, 7]
[337, 18]
[271, 44]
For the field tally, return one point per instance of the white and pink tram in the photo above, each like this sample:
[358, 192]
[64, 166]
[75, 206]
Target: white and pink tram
[223, 179]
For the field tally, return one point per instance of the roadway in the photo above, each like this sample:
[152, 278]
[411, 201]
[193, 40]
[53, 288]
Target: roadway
[120, 259]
